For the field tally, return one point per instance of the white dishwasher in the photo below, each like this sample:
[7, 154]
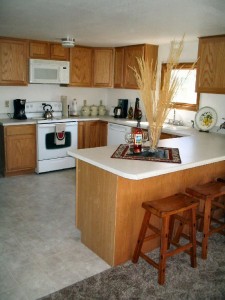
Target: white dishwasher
[116, 134]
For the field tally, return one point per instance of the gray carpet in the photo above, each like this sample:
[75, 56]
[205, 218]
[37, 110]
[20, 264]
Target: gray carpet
[139, 281]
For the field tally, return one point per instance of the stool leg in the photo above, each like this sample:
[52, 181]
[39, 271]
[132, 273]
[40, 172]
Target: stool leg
[180, 228]
[141, 237]
[192, 232]
[163, 249]
[207, 212]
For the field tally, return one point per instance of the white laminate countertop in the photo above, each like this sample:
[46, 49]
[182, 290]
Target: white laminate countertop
[196, 150]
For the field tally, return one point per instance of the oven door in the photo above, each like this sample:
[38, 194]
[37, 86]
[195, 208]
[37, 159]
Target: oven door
[46, 147]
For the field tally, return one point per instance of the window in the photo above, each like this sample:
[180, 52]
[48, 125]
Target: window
[186, 97]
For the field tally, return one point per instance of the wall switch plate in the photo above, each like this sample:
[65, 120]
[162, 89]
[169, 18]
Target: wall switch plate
[6, 103]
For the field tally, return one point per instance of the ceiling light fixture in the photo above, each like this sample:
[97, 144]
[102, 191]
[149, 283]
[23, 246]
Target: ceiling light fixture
[68, 42]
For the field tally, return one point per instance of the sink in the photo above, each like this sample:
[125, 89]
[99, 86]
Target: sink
[175, 127]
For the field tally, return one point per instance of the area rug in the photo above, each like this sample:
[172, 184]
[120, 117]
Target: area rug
[163, 154]
[139, 281]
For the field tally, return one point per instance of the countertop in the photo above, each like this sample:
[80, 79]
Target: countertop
[195, 150]
[177, 130]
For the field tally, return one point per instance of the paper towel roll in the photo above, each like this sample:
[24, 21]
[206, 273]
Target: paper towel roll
[64, 106]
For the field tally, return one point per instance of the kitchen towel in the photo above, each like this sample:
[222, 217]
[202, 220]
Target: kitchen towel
[60, 134]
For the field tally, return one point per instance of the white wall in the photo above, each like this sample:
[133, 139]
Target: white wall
[49, 92]
[42, 92]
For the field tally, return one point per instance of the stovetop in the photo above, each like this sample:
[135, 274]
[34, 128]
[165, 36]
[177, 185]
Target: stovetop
[34, 111]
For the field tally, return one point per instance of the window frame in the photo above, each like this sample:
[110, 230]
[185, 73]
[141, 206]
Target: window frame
[181, 105]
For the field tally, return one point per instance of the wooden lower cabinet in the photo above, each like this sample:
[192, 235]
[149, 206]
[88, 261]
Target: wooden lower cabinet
[92, 134]
[19, 149]
[168, 136]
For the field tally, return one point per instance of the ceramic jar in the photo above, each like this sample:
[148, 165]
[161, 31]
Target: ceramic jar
[85, 109]
[101, 109]
[94, 110]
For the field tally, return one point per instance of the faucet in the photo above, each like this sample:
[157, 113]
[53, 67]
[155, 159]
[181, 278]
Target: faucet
[222, 126]
[174, 116]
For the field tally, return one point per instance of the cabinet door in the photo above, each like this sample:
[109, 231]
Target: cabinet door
[118, 67]
[92, 134]
[81, 66]
[13, 62]
[20, 148]
[130, 54]
[57, 52]
[39, 49]
[20, 153]
[211, 65]
[103, 132]
[103, 67]
[91, 139]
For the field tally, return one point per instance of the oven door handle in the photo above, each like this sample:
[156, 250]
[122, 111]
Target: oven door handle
[53, 125]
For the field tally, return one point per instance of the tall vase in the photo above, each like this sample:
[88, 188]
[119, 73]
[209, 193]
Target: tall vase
[154, 136]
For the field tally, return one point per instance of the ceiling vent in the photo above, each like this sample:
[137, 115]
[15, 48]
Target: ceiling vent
[68, 42]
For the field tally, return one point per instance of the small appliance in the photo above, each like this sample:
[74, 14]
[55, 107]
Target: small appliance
[120, 111]
[19, 109]
[49, 71]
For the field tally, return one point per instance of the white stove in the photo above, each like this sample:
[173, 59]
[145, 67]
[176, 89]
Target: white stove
[54, 137]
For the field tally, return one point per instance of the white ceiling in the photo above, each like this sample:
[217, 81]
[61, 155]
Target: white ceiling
[112, 22]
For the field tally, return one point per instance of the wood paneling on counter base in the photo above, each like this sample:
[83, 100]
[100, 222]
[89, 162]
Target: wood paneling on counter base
[108, 207]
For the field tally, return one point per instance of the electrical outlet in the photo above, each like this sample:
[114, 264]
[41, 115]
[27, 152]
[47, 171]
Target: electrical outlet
[6, 103]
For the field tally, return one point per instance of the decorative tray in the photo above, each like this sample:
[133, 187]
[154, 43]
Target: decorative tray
[163, 154]
[206, 118]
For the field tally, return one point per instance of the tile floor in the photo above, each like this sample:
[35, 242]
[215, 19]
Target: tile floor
[40, 248]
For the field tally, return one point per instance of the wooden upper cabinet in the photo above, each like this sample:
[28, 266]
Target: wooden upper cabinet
[81, 66]
[13, 62]
[103, 67]
[130, 54]
[126, 57]
[211, 65]
[58, 52]
[47, 50]
[118, 67]
[40, 50]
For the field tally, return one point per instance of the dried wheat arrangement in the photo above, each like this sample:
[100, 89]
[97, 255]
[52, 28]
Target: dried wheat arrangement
[157, 105]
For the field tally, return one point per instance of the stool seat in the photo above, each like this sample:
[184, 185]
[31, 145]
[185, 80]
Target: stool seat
[209, 193]
[179, 206]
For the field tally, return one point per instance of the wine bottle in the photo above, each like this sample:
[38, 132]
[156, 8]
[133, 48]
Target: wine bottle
[137, 138]
[137, 111]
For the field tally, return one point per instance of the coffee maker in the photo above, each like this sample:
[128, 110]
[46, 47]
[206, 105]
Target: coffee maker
[120, 111]
[19, 109]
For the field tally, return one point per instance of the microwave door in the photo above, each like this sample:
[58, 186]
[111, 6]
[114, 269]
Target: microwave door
[45, 75]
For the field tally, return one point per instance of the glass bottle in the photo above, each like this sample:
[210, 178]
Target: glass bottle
[137, 138]
[130, 113]
[137, 111]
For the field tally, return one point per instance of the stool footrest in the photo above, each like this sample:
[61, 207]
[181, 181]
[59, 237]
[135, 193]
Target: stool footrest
[179, 250]
[218, 204]
[149, 260]
[151, 237]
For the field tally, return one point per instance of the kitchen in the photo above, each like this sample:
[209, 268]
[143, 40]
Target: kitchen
[110, 96]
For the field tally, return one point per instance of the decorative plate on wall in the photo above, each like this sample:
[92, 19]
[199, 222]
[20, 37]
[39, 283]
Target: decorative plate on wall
[206, 118]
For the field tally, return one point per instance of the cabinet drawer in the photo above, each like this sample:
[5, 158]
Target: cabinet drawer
[20, 129]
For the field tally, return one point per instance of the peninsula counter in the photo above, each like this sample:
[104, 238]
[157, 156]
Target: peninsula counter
[109, 191]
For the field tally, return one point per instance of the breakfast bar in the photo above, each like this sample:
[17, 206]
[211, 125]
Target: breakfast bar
[110, 191]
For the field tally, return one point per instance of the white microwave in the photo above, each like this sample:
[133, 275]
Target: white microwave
[49, 71]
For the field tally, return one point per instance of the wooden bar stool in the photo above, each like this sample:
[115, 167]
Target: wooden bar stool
[167, 209]
[209, 193]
